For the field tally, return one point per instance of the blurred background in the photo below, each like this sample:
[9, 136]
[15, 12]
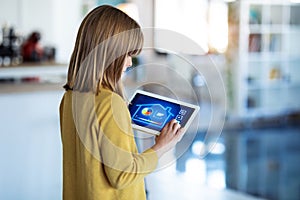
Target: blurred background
[252, 46]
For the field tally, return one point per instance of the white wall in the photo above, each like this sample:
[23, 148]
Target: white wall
[30, 146]
[57, 21]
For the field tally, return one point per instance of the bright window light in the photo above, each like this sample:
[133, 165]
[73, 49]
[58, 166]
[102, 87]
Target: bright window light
[218, 26]
[184, 17]
[216, 148]
[216, 179]
[130, 9]
[202, 21]
[198, 148]
[195, 171]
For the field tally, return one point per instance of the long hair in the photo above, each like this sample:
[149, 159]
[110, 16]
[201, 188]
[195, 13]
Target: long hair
[105, 37]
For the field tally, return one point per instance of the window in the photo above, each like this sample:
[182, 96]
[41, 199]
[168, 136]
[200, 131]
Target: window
[201, 21]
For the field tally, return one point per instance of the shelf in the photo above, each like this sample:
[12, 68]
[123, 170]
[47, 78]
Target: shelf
[32, 77]
[262, 57]
[271, 86]
[33, 70]
[269, 57]
[269, 28]
[278, 84]
[30, 87]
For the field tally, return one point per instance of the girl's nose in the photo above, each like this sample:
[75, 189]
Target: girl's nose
[129, 61]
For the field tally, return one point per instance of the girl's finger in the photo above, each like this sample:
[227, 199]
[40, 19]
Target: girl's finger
[176, 126]
[180, 134]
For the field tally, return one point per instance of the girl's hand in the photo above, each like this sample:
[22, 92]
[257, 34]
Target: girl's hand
[170, 135]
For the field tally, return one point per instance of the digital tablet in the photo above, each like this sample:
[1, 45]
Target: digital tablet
[151, 112]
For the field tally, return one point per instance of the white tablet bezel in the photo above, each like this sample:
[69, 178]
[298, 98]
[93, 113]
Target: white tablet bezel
[155, 132]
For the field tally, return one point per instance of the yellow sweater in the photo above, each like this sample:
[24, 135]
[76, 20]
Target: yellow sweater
[100, 158]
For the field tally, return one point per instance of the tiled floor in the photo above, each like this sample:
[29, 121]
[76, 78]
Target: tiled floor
[194, 184]
[30, 149]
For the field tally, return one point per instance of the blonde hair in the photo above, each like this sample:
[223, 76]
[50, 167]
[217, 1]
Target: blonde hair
[105, 37]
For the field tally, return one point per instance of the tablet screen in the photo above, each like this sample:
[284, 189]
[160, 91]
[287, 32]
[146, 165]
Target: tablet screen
[154, 113]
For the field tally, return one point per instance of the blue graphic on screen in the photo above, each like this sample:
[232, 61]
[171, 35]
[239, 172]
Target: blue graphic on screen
[156, 113]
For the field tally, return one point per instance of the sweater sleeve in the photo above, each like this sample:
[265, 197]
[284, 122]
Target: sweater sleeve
[123, 164]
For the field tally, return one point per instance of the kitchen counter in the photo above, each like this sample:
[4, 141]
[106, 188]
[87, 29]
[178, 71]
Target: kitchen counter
[28, 77]
[33, 70]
